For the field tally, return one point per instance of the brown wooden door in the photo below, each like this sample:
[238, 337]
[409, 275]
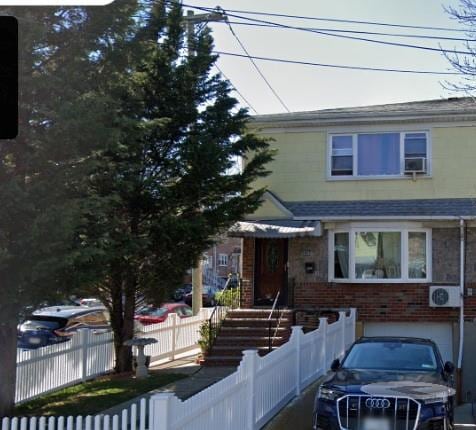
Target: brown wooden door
[270, 270]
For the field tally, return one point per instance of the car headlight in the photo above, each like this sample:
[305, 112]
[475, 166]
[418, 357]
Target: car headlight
[329, 394]
[435, 400]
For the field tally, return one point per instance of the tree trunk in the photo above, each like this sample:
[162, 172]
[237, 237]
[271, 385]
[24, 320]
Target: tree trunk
[122, 321]
[8, 367]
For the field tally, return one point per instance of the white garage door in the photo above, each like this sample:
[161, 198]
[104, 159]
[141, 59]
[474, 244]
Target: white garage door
[440, 333]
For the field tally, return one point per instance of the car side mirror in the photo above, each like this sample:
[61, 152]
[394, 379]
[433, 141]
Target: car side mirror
[449, 367]
[335, 365]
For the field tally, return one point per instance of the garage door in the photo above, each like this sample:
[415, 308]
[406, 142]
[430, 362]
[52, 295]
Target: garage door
[440, 333]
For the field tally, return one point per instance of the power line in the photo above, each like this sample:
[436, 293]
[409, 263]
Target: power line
[236, 90]
[373, 33]
[336, 66]
[346, 21]
[363, 39]
[258, 69]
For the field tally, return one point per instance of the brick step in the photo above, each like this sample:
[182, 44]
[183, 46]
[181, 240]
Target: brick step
[236, 350]
[256, 313]
[249, 341]
[253, 332]
[227, 360]
[255, 322]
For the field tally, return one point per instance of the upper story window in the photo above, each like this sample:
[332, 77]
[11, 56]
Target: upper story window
[367, 155]
[207, 260]
[223, 260]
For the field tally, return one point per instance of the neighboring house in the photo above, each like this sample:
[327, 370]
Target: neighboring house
[224, 257]
[219, 261]
[369, 207]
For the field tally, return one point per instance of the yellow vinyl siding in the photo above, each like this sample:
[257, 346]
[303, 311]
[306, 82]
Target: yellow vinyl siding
[299, 171]
[268, 210]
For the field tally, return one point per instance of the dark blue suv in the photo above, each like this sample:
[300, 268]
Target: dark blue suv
[57, 324]
[387, 383]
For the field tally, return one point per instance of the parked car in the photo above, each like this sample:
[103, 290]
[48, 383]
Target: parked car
[179, 294]
[152, 315]
[387, 383]
[57, 324]
[91, 303]
[208, 296]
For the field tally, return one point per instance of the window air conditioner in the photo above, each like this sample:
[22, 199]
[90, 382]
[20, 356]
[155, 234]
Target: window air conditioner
[445, 297]
[415, 165]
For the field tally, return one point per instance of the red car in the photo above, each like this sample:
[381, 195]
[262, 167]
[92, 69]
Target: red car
[152, 315]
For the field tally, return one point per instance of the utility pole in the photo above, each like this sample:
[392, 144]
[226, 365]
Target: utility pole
[191, 21]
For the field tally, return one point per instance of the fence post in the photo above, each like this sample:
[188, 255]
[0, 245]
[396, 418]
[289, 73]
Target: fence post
[249, 360]
[323, 329]
[353, 315]
[342, 318]
[295, 338]
[173, 318]
[83, 334]
[159, 412]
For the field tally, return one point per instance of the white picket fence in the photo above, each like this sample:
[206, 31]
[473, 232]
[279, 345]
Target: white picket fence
[136, 417]
[88, 355]
[245, 400]
[261, 386]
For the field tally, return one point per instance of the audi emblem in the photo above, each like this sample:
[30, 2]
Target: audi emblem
[377, 403]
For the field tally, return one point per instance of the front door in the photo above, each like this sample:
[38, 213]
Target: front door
[270, 271]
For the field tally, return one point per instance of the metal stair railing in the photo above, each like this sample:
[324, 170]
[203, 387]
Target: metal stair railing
[229, 298]
[270, 322]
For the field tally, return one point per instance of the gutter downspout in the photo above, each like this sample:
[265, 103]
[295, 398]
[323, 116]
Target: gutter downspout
[461, 312]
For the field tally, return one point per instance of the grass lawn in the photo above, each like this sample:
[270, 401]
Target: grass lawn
[95, 396]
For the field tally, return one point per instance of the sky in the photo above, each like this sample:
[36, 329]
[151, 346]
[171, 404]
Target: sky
[305, 88]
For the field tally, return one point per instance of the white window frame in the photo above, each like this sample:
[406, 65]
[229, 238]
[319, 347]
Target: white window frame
[208, 260]
[355, 176]
[220, 256]
[404, 230]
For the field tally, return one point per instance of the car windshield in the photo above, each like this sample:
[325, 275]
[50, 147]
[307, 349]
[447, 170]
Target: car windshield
[34, 324]
[146, 310]
[160, 312]
[391, 356]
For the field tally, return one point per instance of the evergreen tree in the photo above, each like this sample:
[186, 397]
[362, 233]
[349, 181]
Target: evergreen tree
[58, 127]
[163, 188]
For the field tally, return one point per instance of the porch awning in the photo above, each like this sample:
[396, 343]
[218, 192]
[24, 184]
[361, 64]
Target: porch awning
[275, 229]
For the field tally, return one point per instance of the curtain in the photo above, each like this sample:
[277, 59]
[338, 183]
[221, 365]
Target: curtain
[378, 154]
[388, 263]
[341, 256]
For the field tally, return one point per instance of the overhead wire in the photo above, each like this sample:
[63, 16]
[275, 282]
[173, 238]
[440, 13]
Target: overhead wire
[346, 21]
[343, 36]
[236, 90]
[250, 57]
[372, 33]
[336, 66]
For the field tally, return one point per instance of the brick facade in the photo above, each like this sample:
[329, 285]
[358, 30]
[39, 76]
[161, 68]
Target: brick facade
[247, 273]
[374, 302]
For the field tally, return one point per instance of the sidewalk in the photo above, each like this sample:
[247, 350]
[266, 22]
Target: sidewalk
[198, 378]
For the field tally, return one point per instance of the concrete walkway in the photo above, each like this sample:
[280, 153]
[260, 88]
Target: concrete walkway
[298, 413]
[198, 378]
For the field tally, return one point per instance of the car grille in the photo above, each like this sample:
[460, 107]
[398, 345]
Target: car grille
[434, 425]
[402, 413]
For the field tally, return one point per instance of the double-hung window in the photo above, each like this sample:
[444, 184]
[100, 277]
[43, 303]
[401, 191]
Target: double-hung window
[380, 255]
[223, 259]
[383, 154]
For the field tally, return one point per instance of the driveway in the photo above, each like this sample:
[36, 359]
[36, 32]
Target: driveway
[298, 413]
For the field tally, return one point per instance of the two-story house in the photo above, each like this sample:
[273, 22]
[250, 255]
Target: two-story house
[375, 208]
